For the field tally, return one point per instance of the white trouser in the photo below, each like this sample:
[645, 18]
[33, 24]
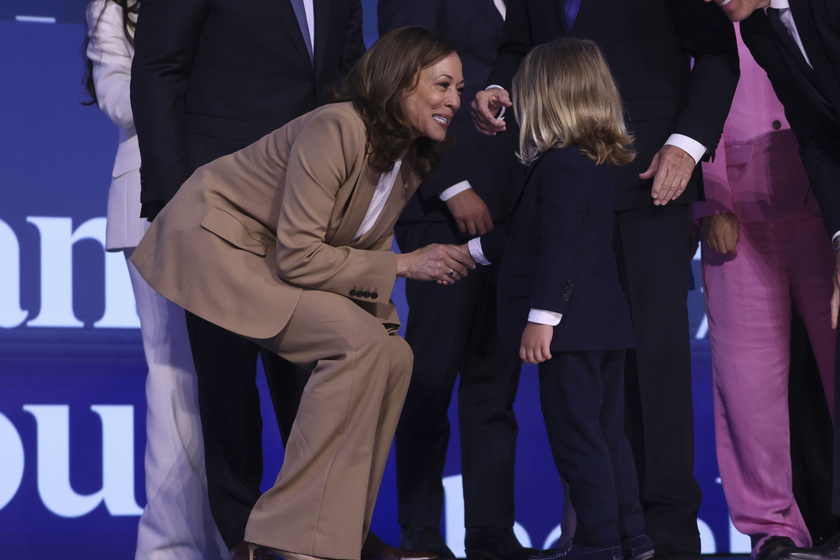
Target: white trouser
[176, 523]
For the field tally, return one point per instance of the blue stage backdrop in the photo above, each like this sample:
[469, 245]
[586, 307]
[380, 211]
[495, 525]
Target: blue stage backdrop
[72, 400]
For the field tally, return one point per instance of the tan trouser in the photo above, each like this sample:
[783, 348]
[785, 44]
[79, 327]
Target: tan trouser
[322, 501]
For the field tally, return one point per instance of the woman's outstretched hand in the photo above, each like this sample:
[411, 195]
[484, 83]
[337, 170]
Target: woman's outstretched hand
[445, 264]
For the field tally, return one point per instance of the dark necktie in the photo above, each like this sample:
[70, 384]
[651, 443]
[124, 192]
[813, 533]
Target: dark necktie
[300, 14]
[571, 8]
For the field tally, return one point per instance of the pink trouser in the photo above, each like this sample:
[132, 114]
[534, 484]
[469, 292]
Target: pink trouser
[748, 301]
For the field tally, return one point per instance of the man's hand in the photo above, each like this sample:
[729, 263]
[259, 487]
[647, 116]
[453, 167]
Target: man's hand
[536, 343]
[670, 169]
[445, 264]
[484, 108]
[721, 233]
[470, 213]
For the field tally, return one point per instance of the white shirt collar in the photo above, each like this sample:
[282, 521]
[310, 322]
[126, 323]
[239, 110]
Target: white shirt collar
[780, 4]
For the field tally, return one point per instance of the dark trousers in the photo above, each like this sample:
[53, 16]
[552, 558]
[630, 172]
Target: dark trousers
[452, 329]
[811, 435]
[835, 495]
[582, 398]
[653, 254]
[231, 422]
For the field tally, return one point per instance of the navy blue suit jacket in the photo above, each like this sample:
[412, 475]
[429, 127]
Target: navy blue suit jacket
[650, 45]
[556, 254]
[811, 99]
[211, 76]
[489, 164]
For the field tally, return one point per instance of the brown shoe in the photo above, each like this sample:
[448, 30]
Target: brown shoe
[375, 548]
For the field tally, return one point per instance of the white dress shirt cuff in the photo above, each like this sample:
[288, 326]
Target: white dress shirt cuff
[694, 148]
[476, 252]
[544, 317]
[457, 188]
[501, 113]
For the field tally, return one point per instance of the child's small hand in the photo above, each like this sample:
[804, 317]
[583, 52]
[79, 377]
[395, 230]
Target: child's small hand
[536, 343]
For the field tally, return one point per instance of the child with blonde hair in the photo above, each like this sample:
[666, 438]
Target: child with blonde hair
[560, 300]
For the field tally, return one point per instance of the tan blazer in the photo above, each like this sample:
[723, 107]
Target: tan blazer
[249, 231]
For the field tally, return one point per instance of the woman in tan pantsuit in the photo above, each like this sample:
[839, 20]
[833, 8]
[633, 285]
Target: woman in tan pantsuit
[288, 243]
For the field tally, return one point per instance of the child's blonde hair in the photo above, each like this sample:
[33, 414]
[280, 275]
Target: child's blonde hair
[564, 94]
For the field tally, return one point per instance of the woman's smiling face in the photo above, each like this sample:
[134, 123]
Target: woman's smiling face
[436, 96]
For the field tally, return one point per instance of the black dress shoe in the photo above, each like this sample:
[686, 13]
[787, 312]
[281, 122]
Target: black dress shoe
[581, 552]
[674, 546]
[425, 539]
[829, 549]
[772, 548]
[375, 548]
[495, 543]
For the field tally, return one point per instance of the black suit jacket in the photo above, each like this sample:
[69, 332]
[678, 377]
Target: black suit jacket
[211, 76]
[475, 27]
[649, 45]
[556, 254]
[811, 99]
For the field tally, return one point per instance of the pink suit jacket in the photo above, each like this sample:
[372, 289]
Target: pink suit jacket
[759, 157]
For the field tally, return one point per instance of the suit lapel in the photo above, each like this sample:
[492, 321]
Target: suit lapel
[491, 14]
[583, 11]
[290, 24]
[826, 81]
[559, 7]
[520, 186]
[350, 208]
[323, 27]
[404, 187]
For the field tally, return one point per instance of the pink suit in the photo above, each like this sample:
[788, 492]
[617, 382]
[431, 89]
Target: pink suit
[783, 258]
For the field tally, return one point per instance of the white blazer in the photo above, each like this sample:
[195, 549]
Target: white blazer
[111, 54]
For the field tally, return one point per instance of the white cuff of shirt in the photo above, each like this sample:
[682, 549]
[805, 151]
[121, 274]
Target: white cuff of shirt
[457, 188]
[476, 252]
[543, 317]
[694, 148]
[501, 114]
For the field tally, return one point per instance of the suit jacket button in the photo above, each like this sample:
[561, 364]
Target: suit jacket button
[776, 125]
[374, 295]
[570, 282]
[568, 290]
[366, 294]
[352, 293]
[565, 297]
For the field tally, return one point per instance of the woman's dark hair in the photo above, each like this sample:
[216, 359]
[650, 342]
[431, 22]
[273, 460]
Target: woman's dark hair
[375, 86]
[128, 8]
